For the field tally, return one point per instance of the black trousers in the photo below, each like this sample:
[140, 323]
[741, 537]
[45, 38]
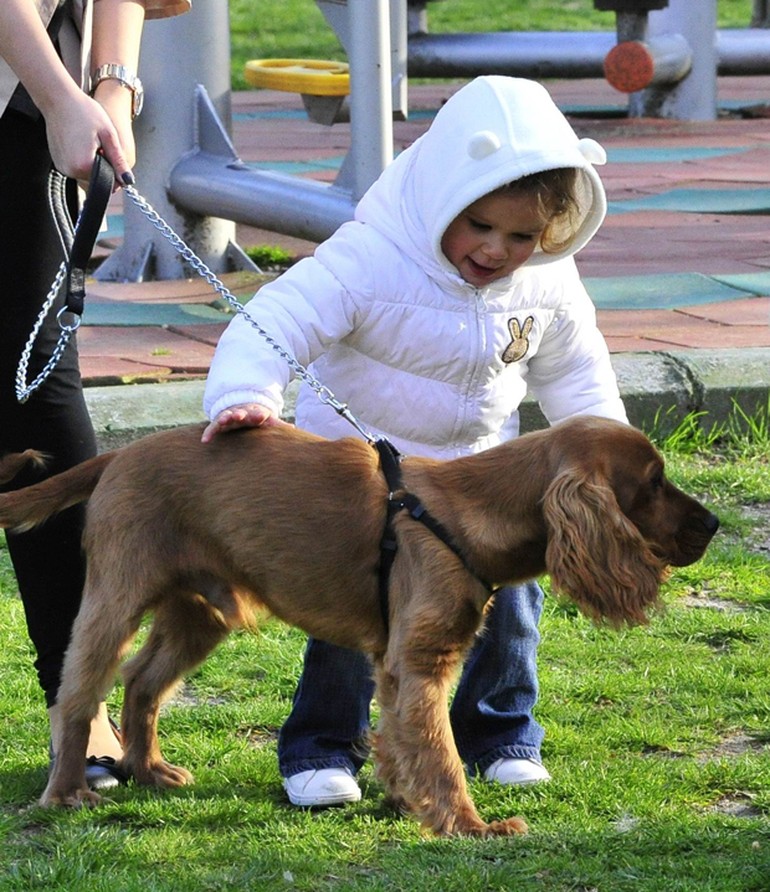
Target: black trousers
[48, 561]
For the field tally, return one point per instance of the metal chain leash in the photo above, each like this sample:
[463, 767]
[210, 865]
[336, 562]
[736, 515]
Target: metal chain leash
[322, 392]
[56, 202]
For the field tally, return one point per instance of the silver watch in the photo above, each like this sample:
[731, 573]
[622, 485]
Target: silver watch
[113, 72]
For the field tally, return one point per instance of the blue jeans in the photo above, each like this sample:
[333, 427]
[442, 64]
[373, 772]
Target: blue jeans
[491, 713]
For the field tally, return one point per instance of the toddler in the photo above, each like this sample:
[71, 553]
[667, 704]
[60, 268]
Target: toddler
[451, 295]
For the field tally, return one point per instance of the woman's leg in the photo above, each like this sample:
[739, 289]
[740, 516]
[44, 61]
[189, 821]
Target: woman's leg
[48, 560]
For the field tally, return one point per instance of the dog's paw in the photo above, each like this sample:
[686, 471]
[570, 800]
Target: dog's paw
[161, 774]
[397, 804]
[471, 825]
[75, 798]
[509, 827]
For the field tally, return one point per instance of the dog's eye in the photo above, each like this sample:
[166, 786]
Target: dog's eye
[657, 480]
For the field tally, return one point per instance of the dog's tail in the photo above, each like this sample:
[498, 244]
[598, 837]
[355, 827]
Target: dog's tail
[10, 465]
[25, 508]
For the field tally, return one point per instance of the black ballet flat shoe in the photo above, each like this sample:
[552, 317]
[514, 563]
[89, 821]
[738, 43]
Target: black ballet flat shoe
[104, 773]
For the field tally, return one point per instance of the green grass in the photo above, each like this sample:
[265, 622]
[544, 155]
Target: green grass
[658, 740]
[268, 29]
[269, 257]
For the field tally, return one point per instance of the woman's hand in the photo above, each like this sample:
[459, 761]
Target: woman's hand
[76, 130]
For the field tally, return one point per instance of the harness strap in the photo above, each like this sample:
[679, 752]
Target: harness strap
[390, 462]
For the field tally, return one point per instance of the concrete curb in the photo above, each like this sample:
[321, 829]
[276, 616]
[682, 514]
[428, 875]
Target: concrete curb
[659, 389]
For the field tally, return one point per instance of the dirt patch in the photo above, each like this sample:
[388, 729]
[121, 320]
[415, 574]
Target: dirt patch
[705, 600]
[187, 698]
[756, 541]
[759, 538]
[734, 746]
[259, 737]
[737, 806]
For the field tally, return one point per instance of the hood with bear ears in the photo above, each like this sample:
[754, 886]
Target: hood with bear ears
[494, 130]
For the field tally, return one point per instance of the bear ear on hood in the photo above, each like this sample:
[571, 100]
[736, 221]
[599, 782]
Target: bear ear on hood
[483, 144]
[592, 151]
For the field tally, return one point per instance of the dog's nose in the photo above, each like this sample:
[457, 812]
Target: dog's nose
[711, 522]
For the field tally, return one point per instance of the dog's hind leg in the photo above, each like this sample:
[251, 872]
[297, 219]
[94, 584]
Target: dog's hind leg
[100, 637]
[185, 630]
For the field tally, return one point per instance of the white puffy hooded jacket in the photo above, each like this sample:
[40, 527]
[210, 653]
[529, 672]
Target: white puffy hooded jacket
[385, 321]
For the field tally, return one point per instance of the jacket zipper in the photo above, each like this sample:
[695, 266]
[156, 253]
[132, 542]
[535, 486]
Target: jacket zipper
[479, 346]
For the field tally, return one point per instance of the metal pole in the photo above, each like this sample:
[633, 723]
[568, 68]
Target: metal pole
[371, 112]
[695, 97]
[177, 55]
[212, 180]
[570, 54]
[743, 51]
[363, 27]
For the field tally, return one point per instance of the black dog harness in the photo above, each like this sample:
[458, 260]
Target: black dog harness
[400, 500]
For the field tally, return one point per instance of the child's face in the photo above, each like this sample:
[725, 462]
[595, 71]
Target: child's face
[493, 236]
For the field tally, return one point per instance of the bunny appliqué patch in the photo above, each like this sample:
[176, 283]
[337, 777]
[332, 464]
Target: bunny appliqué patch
[519, 345]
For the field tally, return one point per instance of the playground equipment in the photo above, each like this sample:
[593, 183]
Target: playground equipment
[667, 52]
[190, 171]
[323, 85]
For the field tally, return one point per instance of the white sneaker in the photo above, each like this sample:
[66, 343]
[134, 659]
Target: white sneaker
[323, 786]
[516, 771]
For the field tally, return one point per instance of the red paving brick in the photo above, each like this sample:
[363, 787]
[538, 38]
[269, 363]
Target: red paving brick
[152, 347]
[648, 242]
[99, 371]
[669, 329]
[751, 312]
[207, 334]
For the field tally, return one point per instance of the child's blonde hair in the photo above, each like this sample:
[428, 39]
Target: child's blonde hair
[556, 194]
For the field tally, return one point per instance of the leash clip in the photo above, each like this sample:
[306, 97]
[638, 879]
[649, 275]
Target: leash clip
[72, 327]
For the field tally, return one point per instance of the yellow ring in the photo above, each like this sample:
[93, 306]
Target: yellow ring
[316, 77]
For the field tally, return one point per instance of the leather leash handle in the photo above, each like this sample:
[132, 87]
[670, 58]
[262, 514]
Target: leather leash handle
[86, 232]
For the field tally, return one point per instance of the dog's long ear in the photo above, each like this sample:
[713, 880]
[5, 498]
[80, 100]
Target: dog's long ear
[595, 555]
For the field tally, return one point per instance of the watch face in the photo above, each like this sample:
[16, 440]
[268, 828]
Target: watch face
[138, 101]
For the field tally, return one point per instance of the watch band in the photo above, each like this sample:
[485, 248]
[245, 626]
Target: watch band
[112, 71]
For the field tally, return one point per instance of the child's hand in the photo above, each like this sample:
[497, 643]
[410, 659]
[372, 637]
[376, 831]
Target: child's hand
[247, 415]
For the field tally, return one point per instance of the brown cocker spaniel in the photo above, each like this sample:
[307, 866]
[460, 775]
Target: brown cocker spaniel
[202, 535]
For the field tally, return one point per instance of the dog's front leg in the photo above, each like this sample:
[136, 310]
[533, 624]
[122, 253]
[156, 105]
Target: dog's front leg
[434, 616]
[416, 753]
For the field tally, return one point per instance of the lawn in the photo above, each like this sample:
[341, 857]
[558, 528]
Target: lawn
[658, 740]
